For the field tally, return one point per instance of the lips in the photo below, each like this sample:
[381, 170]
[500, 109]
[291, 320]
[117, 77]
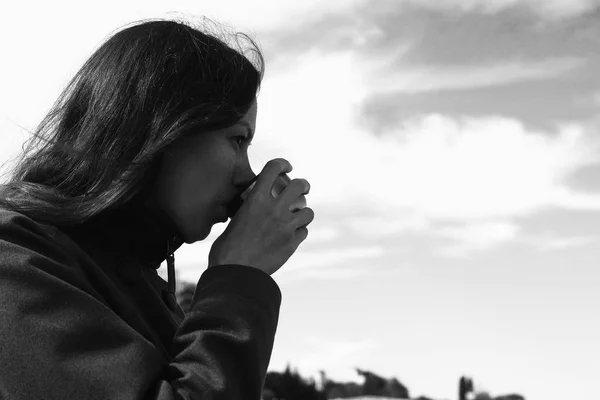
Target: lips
[234, 205]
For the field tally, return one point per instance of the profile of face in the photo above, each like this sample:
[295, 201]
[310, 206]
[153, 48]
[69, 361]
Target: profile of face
[200, 174]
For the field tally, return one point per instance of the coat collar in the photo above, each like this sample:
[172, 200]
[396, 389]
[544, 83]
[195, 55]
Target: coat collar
[134, 236]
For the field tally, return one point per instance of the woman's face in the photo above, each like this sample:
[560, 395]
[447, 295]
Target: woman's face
[201, 174]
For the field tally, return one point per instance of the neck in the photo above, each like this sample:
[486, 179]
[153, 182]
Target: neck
[133, 232]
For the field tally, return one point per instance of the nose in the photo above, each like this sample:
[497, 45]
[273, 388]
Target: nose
[251, 179]
[246, 177]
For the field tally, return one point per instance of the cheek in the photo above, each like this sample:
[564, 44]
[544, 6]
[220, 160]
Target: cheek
[183, 195]
[186, 200]
[192, 182]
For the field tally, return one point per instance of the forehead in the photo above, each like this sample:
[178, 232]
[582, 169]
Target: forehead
[250, 116]
[248, 121]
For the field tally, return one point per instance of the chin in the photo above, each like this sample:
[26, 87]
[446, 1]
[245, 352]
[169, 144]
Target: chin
[197, 234]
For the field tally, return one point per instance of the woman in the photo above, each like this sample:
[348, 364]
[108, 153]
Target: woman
[146, 149]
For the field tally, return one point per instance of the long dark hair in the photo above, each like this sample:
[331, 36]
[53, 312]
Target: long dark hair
[143, 88]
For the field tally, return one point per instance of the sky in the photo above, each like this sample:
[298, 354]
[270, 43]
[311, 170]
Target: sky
[453, 152]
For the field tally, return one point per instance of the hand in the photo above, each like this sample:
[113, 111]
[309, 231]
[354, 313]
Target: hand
[264, 233]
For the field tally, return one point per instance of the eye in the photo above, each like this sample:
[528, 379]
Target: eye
[241, 140]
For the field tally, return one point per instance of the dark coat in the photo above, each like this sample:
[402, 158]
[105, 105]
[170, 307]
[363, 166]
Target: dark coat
[84, 315]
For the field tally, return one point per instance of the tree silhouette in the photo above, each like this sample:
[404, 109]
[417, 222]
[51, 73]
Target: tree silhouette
[374, 384]
[379, 386]
[510, 397]
[342, 389]
[289, 385]
[465, 386]
[394, 388]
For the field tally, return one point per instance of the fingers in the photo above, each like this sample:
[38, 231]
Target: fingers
[294, 190]
[274, 168]
[298, 204]
[280, 183]
[292, 197]
[302, 218]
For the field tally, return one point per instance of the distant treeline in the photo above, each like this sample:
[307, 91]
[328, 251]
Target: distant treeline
[289, 385]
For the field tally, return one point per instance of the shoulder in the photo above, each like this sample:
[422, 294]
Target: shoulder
[36, 259]
[16, 227]
[11, 217]
[22, 235]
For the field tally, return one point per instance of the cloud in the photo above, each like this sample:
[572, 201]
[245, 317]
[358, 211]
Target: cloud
[437, 33]
[334, 263]
[422, 172]
[551, 9]
[552, 242]
[476, 236]
[384, 225]
[570, 200]
[425, 79]
[323, 233]
[596, 99]
[413, 49]
[536, 103]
